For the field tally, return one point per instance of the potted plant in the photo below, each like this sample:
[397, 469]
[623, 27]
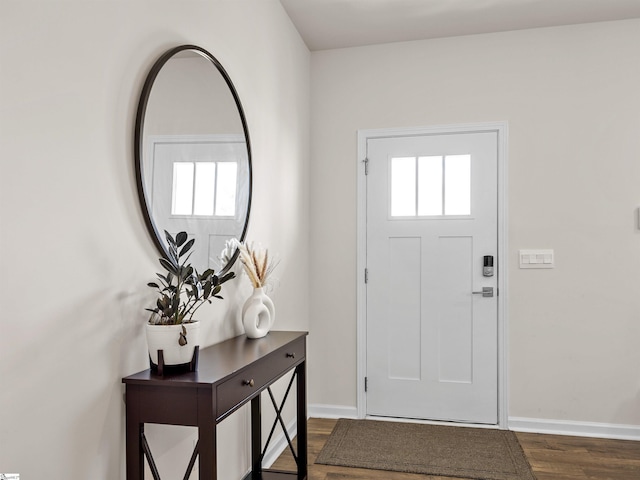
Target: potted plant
[182, 291]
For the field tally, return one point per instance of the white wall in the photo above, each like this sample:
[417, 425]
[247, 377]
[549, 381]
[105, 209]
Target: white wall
[75, 253]
[570, 96]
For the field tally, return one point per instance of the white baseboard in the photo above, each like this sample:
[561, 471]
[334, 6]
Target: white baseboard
[517, 424]
[578, 429]
[331, 411]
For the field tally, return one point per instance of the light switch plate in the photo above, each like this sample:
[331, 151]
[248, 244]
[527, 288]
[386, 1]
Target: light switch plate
[536, 259]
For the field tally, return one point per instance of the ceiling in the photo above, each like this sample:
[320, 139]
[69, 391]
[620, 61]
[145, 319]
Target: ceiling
[328, 24]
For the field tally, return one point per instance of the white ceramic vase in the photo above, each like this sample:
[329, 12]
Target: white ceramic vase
[258, 314]
[167, 338]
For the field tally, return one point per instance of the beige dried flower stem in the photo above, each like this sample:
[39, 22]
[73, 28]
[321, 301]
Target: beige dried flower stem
[256, 264]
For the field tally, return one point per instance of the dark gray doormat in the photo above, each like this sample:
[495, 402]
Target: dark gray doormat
[464, 452]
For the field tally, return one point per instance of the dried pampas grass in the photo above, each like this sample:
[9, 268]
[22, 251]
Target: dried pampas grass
[257, 263]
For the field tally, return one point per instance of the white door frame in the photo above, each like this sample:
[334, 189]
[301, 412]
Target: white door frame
[361, 308]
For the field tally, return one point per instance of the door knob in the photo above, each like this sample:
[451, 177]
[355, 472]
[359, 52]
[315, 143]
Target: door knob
[486, 292]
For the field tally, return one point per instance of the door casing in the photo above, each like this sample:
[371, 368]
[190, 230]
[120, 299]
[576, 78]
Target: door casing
[363, 135]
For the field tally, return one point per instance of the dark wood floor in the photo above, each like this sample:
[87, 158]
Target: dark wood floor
[552, 457]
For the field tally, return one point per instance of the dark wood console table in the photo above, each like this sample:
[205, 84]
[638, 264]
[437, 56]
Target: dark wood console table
[229, 375]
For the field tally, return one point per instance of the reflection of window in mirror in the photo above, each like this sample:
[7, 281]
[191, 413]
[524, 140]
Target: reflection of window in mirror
[204, 189]
[431, 185]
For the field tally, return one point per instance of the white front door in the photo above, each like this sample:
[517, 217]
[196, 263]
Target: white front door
[431, 218]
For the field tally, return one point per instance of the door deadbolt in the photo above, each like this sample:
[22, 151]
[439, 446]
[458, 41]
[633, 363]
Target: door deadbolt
[487, 266]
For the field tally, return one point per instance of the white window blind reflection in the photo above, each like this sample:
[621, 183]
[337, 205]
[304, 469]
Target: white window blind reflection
[182, 197]
[204, 189]
[226, 189]
[205, 181]
[403, 186]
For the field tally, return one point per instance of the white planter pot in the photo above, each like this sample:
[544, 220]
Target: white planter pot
[258, 314]
[167, 337]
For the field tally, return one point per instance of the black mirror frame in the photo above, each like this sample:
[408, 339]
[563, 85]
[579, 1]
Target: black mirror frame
[138, 131]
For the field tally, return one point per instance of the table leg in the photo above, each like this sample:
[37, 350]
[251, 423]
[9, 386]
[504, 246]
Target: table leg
[207, 461]
[134, 432]
[301, 394]
[256, 439]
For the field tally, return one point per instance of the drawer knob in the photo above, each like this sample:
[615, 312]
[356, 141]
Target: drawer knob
[291, 355]
[250, 383]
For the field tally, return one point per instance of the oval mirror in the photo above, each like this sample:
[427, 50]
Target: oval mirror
[193, 156]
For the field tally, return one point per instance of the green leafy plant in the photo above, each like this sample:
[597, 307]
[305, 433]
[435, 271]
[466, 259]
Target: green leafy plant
[182, 290]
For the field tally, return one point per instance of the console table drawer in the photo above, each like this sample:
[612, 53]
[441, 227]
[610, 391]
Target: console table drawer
[253, 379]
